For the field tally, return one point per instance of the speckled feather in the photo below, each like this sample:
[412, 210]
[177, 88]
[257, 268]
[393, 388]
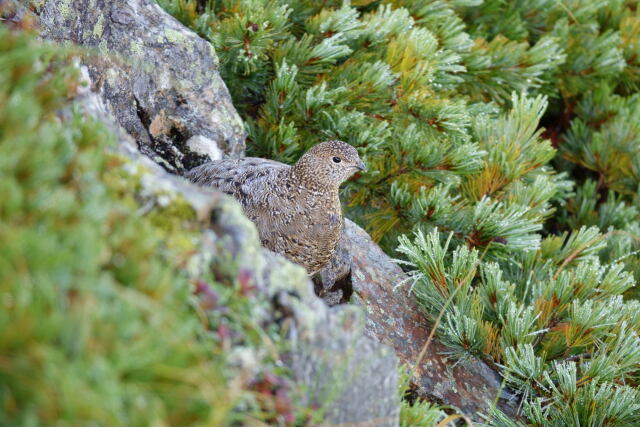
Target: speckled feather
[295, 208]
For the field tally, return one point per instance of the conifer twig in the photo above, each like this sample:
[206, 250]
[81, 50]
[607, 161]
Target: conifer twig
[573, 255]
[442, 311]
[426, 345]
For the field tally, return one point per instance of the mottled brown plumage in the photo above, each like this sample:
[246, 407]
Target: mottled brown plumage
[295, 208]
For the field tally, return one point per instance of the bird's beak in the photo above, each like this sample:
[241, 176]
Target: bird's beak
[361, 166]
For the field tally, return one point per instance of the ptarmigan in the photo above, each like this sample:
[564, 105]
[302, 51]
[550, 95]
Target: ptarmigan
[295, 208]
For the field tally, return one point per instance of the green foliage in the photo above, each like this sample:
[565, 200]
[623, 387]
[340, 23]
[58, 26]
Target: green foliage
[553, 320]
[418, 413]
[594, 121]
[99, 323]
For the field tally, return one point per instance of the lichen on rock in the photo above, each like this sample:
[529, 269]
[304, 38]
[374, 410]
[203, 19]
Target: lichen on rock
[157, 78]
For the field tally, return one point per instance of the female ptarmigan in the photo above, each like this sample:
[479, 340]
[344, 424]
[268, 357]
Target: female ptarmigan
[295, 208]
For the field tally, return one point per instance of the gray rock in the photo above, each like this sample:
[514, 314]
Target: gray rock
[158, 79]
[393, 318]
[330, 281]
[352, 379]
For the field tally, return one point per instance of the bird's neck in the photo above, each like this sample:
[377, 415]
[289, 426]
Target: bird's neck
[303, 176]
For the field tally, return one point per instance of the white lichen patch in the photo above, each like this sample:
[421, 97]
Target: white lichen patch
[165, 80]
[246, 358]
[112, 76]
[204, 146]
[133, 169]
[84, 88]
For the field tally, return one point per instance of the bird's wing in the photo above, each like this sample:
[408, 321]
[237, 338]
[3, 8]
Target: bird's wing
[245, 179]
[222, 174]
[288, 220]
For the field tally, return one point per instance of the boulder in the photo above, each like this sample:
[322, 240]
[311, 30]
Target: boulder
[157, 78]
[361, 271]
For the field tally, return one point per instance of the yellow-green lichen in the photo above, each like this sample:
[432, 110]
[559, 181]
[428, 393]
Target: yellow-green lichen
[180, 38]
[98, 29]
[174, 36]
[136, 47]
[178, 226]
[65, 9]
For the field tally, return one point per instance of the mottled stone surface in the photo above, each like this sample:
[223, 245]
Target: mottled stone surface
[352, 378]
[332, 283]
[158, 79]
[394, 319]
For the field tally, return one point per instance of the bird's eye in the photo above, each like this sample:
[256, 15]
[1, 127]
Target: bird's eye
[337, 160]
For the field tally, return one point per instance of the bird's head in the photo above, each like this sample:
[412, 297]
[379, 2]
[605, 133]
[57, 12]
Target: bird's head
[330, 163]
